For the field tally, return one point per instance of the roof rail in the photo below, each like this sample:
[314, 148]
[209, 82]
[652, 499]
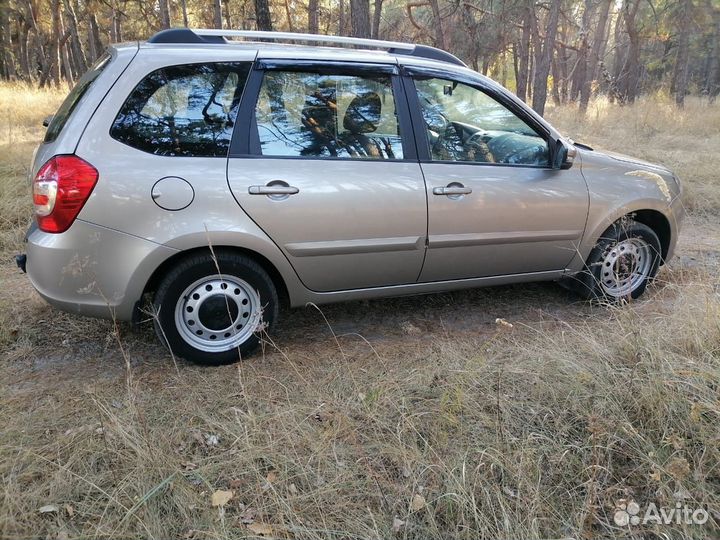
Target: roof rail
[187, 35]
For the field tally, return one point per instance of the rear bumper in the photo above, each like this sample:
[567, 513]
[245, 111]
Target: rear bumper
[92, 270]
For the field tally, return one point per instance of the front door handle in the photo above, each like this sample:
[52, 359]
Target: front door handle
[273, 189]
[453, 189]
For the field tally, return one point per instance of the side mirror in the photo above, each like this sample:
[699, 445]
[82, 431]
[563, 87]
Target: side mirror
[564, 155]
[47, 120]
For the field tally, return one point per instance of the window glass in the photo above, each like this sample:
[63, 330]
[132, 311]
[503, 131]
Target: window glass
[183, 110]
[319, 115]
[465, 124]
[62, 115]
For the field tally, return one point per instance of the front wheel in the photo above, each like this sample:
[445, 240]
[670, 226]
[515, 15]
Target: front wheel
[622, 263]
[212, 310]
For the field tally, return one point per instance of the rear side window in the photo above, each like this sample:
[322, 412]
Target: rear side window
[187, 110]
[312, 115]
[62, 115]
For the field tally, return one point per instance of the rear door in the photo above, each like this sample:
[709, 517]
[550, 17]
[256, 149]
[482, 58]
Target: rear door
[327, 167]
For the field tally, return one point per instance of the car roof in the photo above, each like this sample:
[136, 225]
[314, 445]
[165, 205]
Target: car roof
[373, 51]
[284, 45]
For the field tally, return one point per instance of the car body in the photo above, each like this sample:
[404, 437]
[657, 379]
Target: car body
[411, 213]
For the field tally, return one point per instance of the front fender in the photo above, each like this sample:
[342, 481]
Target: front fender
[618, 188]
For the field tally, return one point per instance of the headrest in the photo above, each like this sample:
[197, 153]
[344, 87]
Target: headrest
[363, 113]
[320, 111]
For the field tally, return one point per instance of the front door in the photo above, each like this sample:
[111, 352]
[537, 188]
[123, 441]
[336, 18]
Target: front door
[495, 206]
[328, 170]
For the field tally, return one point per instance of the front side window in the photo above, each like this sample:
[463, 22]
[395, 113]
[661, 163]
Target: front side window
[467, 125]
[314, 115]
[185, 110]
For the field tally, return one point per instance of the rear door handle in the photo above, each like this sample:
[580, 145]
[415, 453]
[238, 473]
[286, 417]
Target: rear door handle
[276, 189]
[452, 190]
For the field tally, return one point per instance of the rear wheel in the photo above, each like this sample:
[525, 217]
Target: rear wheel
[622, 263]
[211, 311]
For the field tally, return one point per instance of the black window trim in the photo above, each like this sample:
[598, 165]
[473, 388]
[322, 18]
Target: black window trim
[410, 72]
[248, 62]
[245, 140]
[326, 67]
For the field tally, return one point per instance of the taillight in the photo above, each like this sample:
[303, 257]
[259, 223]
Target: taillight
[60, 189]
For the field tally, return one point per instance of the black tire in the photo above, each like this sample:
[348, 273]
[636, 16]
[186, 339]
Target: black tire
[172, 329]
[589, 282]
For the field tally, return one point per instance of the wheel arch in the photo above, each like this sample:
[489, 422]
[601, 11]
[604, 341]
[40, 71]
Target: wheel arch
[653, 218]
[154, 280]
[650, 212]
[660, 225]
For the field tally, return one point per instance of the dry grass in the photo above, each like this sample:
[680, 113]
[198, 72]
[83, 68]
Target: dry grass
[653, 129]
[22, 109]
[436, 416]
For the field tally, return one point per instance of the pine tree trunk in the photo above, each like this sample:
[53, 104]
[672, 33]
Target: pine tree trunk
[544, 59]
[67, 70]
[377, 15]
[582, 52]
[36, 52]
[24, 35]
[627, 56]
[595, 55]
[183, 9]
[262, 15]
[712, 81]
[633, 63]
[620, 57]
[164, 14]
[341, 17]
[360, 18]
[94, 43]
[55, 51]
[562, 58]
[8, 58]
[114, 34]
[681, 61]
[226, 10]
[78, 54]
[524, 54]
[516, 68]
[313, 16]
[437, 24]
[217, 14]
[531, 73]
[555, 92]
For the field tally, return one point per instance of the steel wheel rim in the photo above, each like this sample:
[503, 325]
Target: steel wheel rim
[217, 313]
[625, 267]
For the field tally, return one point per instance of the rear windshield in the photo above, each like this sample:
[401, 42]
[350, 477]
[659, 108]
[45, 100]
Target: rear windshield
[71, 101]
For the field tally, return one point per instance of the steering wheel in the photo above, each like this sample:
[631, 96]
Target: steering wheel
[477, 147]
